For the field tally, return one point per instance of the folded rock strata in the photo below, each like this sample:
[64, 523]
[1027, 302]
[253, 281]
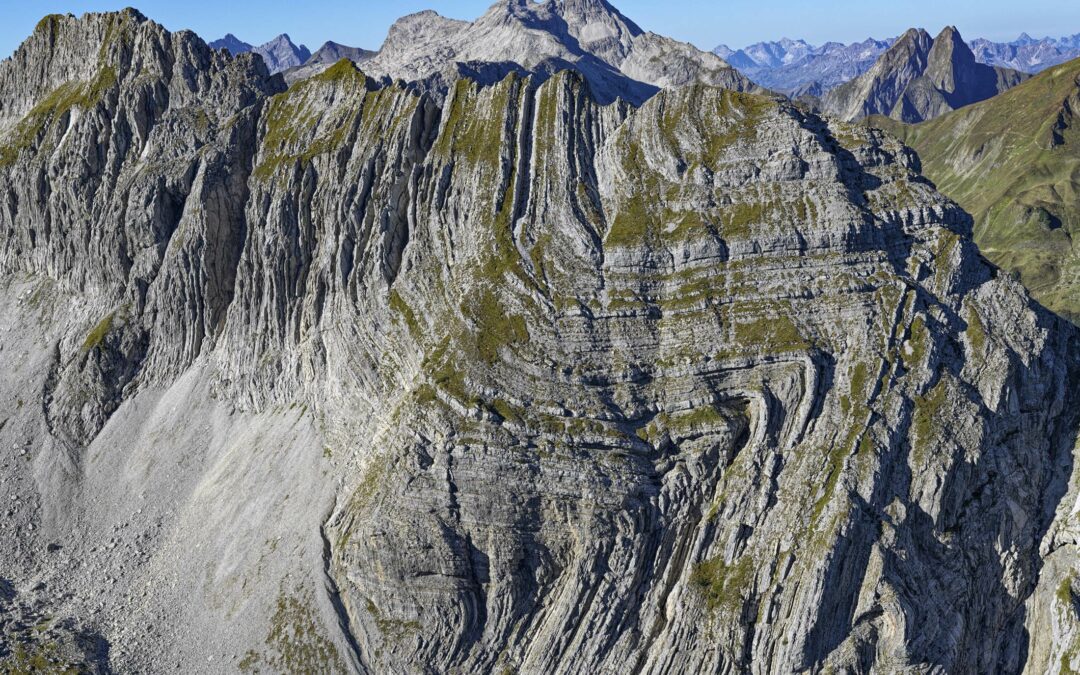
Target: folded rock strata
[343, 378]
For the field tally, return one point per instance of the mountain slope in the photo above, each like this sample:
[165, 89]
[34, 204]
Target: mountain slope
[919, 78]
[400, 382]
[616, 57]
[1014, 163]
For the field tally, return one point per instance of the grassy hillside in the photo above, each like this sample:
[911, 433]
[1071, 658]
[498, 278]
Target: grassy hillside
[1013, 162]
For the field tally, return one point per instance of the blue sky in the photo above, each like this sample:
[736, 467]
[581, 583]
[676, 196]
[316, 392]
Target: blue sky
[706, 23]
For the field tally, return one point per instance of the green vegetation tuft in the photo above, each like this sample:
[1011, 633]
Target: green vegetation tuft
[300, 126]
[37, 658]
[296, 641]
[724, 587]
[97, 335]
[702, 122]
[393, 629]
[496, 328]
[402, 308]
[49, 25]
[342, 71]
[777, 333]
[1065, 596]
[976, 331]
[927, 416]
[59, 102]
[474, 122]
[920, 342]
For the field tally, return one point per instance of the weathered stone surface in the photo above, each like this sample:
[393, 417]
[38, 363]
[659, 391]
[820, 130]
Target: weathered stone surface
[618, 58]
[510, 379]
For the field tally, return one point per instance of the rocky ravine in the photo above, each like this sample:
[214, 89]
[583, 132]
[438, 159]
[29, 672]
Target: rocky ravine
[338, 379]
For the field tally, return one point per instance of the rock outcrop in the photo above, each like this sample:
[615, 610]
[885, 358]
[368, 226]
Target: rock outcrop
[919, 78]
[507, 378]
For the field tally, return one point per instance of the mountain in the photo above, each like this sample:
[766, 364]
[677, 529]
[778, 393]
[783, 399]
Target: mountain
[919, 78]
[795, 67]
[234, 44]
[332, 52]
[1014, 163]
[325, 57]
[281, 54]
[1026, 53]
[769, 54]
[618, 59]
[351, 377]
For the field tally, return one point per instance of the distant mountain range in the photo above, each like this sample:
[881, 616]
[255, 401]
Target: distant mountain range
[280, 54]
[1026, 53]
[796, 67]
[296, 62]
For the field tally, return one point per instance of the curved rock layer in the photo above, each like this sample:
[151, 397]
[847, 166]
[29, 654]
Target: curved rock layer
[338, 378]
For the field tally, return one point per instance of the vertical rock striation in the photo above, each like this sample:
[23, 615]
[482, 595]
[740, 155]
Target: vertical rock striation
[511, 378]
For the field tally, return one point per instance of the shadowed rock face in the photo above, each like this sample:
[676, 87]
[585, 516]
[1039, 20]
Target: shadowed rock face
[919, 78]
[515, 380]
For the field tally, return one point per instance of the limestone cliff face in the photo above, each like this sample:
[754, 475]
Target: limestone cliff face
[517, 380]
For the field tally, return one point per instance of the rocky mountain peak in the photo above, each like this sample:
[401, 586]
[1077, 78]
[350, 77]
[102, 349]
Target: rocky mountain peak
[951, 64]
[68, 64]
[281, 53]
[919, 78]
[232, 43]
[616, 57]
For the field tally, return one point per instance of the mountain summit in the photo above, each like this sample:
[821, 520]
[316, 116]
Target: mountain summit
[919, 78]
[232, 43]
[281, 53]
[613, 53]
